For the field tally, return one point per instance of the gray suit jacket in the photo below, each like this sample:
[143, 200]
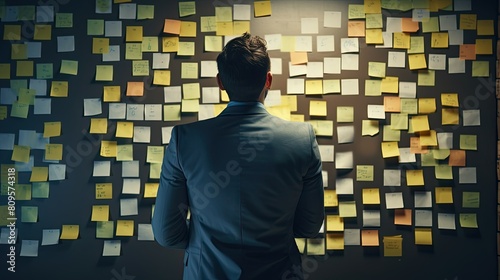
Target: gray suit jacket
[252, 182]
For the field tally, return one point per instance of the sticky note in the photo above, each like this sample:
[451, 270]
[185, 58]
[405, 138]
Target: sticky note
[335, 241]
[318, 108]
[356, 28]
[108, 148]
[24, 68]
[39, 174]
[99, 125]
[187, 8]
[449, 99]
[262, 8]
[100, 213]
[51, 129]
[402, 217]
[21, 153]
[468, 142]
[172, 26]
[468, 220]
[467, 52]
[188, 29]
[43, 32]
[29, 214]
[208, 24]
[95, 27]
[12, 32]
[450, 116]
[485, 27]
[170, 44]
[133, 51]
[347, 209]
[111, 94]
[125, 228]
[468, 21]
[417, 61]
[100, 45]
[393, 246]
[53, 151]
[330, 198]
[414, 177]
[376, 69]
[133, 33]
[135, 89]
[103, 191]
[401, 40]
[70, 232]
[64, 20]
[457, 158]
[371, 196]
[444, 195]
[369, 237]
[186, 49]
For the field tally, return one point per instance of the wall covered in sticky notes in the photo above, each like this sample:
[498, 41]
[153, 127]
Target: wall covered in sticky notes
[401, 95]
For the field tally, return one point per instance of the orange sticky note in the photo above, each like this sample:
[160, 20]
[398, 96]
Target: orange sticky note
[356, 28]
[457, 158]
[298, 57]
[468, 52]
[135, 88]
[172, 26]
[415, 147]
[408, 25]
[392, 104]
[369, 237]
[402, 217]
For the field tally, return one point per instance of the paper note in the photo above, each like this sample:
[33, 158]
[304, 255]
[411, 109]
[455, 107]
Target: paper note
[371, 196]
[347, 209]
[262, 8]
[402, 217]
[369, 237]
[468, 220]
[393, 246]
[330, 198]
[70, 232]
[124, 227]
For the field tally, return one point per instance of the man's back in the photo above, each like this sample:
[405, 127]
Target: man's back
[245, 173]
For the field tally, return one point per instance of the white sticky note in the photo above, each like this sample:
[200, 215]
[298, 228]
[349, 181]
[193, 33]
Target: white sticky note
[127, 11]
[210, 95]
[467, 175]
[208, 69]
[350, 86]
[273, 41]
[325, 43]
[166, 134]
[39, 86]
[437, 61]
[44, 13]
[387, 37]
[371, 218]
[332, 19]
[456, 65]
[111, 248]
[297, 70]
[130, 169]
[295, 86]
[273, 98]
[29, 248]
[50, 236]
[65, 43]
[113, 54]
[344, 160]
[161, 60]
[142, 134]
[423, 218]
[5, 236]
[352, 237]
[471, 118]
[392, 177]
[345, 134]
[447, 22]
[145, 232]
[34, 49]
[241, 12]
[422, 199]
[396, 59]
[102, 169]
[350, 61]
[344, 186]
[92, 106]
[394, 25]
[135, 112]
[128, 207]
[314, 70]
[405, 156]
[172, 94]
[153, 112]
[303, 43]
[349, 45]
[57, 172]
[394, 200]
[332, 65]
[376, 112]
[456, 37]
[7, 141]
[112, 28]
[117, 111]
[276, 66]
[446, 221]
[131, 186]
[326, 152]
[42, 106]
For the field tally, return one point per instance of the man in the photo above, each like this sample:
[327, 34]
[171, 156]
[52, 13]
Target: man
[252, 181]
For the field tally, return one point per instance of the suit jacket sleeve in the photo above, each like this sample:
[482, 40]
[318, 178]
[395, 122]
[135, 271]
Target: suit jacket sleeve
[310, 211]
[169, 218]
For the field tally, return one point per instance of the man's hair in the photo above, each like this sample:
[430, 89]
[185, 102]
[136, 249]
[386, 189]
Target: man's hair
[243, 65]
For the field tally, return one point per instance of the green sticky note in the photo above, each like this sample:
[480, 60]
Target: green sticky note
[140, 68]
[18, 84]
[468, 220]
[23, 192]
[470, 199]
[26, 96]
[104, 73]
[133, 51]
[44, 71]
[390, 134]
[29, 214]
[19, 110]
[428, 159]
[480, 68]
[95, 27]
[145, 11]
[468, 142]
[40, 190]
[69, 67]
[105, 229]
[443, 172]
[432, 25]
[64, 20]
[26, 13]
[187, 8]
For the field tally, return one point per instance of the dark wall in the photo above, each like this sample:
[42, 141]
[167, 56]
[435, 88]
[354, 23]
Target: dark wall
[455, 254]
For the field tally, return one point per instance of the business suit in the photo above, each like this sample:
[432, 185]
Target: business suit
[252, 182]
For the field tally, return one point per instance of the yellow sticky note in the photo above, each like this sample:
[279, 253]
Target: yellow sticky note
[371, 196]
[450, 116]
[241, 27]
[53, 151]
[108, 148]
[468, 21]
[140, 68]
[485, 27]
[190, 105]
[315, 246]
[43, 32]
[480, 69]
[100, 213]
[345, 114]
[224, 29]
[372, 7]
[112, 94]
[414, 177]
[208, 24]
[417, 61]
[146, 11]
[484, 46]
[334, 223]
[187, 8]
[69, 67]
[24, 68]
[104, 73]
[133, 51]
[376, 69]
[189, 70]
[335, 241]
[390, 85]
[331, 86]
[188, 29]
[124, 129]
[26, 96]
[423, 236]
[98, 125]
[390, 149]
[364, 172]
[213, 43]
[170, 44]
[330, 198]
[393, 246]
[161, 77]
[428, 138]
[420, 123]
[51, 129]
[318, 108]
[12, 32]
[103, 191]
[21, 153]
[468, 220]
[133, 33]
[223, 14]
[19, 51]
[186, 49]
[439, 40]
[314, 87]
[370, 127]
[150, 190]
[19, 110]
[70, 232]
[171, 112]
[59, 89]
[125, 228]
[149, 44]
[401, 40]
[4, 71]
[369, 237]
[426, 78]
[155, 154]
[262, 8]
[417, 45]
[100, 45]
[449, 99]
[3, 112]
[39, 174]
[135, 89]
[444, 195]
[347, 209]
[374, 36]
[468, 142]
[125, 152]
[426, 105]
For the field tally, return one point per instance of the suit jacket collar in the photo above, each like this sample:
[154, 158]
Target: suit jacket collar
[250, 109]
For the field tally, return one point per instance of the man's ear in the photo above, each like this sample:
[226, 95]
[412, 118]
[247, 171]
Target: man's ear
[219, 82]
[269, 80]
